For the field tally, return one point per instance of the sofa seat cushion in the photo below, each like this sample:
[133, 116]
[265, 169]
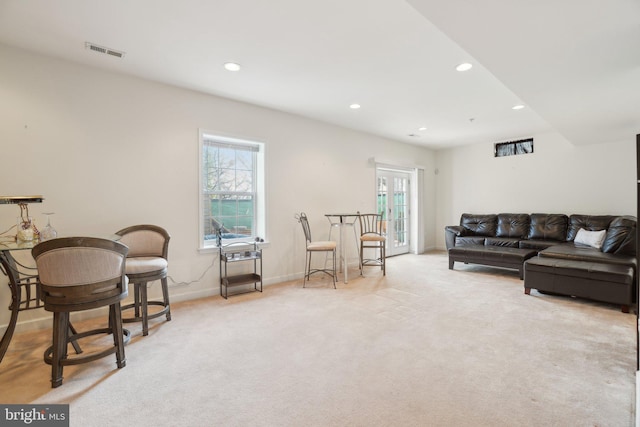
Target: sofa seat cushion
[470, 241]
[537, 244]
[585, 253]
[508, 242]
[143, 265]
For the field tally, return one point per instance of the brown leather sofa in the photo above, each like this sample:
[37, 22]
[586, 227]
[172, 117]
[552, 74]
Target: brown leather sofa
[543, 248]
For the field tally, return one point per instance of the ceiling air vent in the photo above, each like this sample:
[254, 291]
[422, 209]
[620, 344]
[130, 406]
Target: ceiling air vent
[105, 50]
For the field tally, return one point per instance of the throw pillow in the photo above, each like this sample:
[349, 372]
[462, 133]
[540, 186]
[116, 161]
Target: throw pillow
[590, 238]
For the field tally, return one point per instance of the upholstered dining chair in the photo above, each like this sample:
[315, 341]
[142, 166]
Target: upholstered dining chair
[372, 237]
[316, 247]
[147, 262]
[77, 274]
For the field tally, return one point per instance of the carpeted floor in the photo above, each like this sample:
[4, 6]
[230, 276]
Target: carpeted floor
[423, 346]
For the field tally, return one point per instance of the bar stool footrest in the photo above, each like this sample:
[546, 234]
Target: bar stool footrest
[165, 310]
[48, 353]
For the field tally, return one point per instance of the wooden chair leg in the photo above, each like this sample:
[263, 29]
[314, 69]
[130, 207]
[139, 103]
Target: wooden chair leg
[60, 331]
[115, 318]
[165, 296]
[143, 308]
[136, 300]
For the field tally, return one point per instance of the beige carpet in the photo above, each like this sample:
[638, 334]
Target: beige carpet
[423, 346]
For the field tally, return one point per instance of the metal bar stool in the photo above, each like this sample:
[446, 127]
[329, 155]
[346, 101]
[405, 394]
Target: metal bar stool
[371, 237]
[316, 246]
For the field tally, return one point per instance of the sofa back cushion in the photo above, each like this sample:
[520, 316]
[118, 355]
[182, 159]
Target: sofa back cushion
[548, 226]
[480, 225]
[587, 222]
[513, 225]
[621, 236]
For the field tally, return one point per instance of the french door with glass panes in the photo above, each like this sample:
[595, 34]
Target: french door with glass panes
[393, 203]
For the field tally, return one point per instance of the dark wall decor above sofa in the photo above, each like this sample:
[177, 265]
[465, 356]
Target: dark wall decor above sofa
[589, 256]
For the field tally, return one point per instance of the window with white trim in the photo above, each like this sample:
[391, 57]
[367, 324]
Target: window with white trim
[512, 148]
[231, 190]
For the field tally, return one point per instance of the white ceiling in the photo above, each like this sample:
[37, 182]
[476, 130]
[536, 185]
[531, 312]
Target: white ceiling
[575, 64]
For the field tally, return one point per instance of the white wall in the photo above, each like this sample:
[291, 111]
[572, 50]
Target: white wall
[558, 177]
[107, 151]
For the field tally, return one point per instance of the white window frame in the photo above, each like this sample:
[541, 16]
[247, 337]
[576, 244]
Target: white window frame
[259, 231]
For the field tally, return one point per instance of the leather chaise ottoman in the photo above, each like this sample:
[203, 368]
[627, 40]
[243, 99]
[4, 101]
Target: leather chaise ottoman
[593, 280]
[497, 256]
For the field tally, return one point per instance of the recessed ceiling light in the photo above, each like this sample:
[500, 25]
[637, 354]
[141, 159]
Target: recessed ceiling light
[354, 106]
[465, 66]
[231, 66]
[517, 107]
[422, 128]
